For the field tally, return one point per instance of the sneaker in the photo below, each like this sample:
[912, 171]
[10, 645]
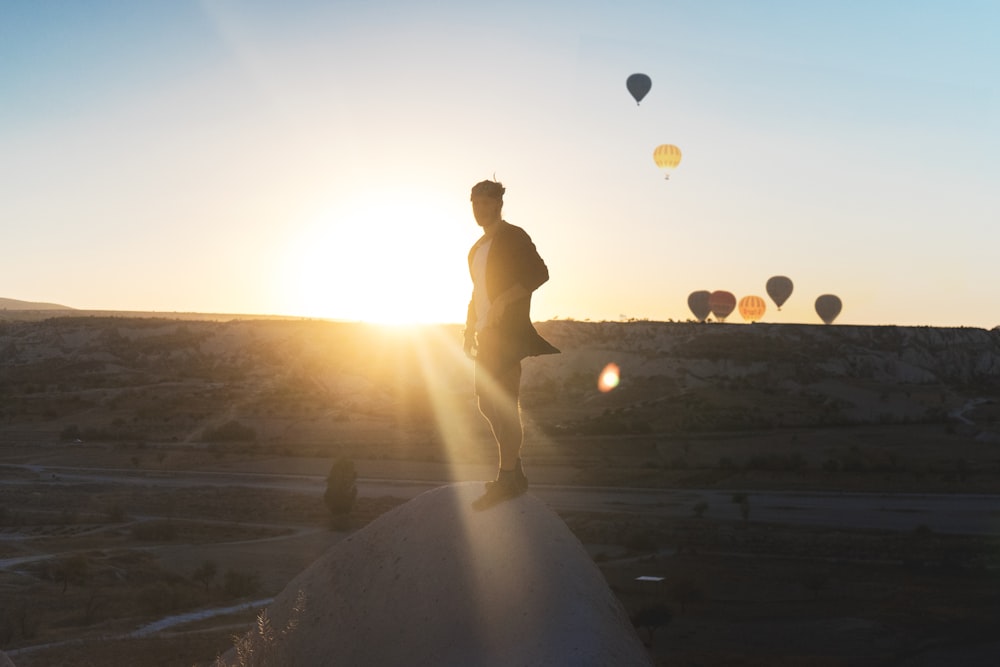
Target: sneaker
[503, 488]
[519, 476]
[520, 480]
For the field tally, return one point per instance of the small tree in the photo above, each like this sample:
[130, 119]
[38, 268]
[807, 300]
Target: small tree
[815, 582]
[743, 500]
[699, 508]
[239, 584]
[205, 573]
[341, 491]
[652, 618]
[72, 570]
[686, 592]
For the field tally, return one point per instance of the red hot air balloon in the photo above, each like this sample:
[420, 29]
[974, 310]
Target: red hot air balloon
[752, 308]
[721, 304]
[698, 303]
[638, 85]
[779, 288]
[828, 307]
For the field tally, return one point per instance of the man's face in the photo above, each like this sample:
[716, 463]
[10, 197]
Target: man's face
[486, 210]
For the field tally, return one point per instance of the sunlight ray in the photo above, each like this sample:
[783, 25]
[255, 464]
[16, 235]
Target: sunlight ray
[436, 354]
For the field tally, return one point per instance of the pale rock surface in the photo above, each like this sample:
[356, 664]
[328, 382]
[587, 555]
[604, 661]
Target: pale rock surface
[436, 583]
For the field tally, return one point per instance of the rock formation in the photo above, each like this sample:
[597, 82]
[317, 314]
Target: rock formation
[437, 583]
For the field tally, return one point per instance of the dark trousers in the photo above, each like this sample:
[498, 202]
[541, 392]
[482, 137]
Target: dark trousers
[498, 385]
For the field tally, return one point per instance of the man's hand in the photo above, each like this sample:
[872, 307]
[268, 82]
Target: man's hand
[500, 304]
[470, 348]
[495, 314]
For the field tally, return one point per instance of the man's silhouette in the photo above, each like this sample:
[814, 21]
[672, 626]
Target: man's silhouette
[505, 269]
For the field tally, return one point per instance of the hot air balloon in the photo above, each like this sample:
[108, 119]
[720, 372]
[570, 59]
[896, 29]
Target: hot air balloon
[779, 288]
[828, 307]
[721, 303]
[752, 308]
[667, 157]
[638, 85]
[698, 303]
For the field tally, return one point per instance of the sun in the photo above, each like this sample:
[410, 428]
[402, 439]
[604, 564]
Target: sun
[388, 257]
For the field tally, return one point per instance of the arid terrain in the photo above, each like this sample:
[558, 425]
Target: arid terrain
[754, 494]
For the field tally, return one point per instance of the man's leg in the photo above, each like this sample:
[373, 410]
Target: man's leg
[498, 401]
[499, 404]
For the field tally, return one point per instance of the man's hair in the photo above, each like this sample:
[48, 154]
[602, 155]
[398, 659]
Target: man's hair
[493, 189]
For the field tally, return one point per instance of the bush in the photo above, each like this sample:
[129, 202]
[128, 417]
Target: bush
[259, 647]
[686, 592]
[652, 618]
[205, 573]
[71, 570]
[161, 597]
[154, 531]
[115, 513]
[240, 584]
[228, 432]
[640, 541]
[341, 492]
[156, 598]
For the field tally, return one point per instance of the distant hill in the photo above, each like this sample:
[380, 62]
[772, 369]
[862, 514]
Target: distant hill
[676, 378]
[15, 304]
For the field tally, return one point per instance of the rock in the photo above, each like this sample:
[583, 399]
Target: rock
[436, 583]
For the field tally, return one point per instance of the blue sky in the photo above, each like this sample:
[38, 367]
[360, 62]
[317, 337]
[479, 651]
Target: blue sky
[315, 158]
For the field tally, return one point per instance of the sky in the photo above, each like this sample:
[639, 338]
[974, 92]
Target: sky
[315, 158]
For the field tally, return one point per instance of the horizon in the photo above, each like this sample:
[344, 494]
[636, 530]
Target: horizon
[732, 320]
[217, 157]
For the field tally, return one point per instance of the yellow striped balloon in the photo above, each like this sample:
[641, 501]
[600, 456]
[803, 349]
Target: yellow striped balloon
[752, 308]
[667, 157]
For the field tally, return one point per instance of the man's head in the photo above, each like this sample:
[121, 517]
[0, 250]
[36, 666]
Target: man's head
[487, 202]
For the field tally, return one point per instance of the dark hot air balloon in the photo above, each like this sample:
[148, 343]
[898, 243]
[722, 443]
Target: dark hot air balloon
[698, 303]
[721, 303]
[779, 288]
[828, 307]
[752, 308]
[638, 85]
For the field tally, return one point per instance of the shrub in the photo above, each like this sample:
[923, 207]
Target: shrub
[341, 492]
[258, 648]
[115, 513]
[652, 618]
[205, 573]
[230, 431]
[156, 598]
[240, 584]
[72, 570]
[154, 531]
[640, 542]
[686, 592]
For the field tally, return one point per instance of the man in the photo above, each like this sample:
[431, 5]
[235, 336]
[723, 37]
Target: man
[505, 270]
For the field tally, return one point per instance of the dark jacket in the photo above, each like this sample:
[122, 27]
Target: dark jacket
[512, 259]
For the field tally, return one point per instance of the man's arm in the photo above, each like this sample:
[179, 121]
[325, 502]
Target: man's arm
[469, 344]
[499, 305]
[530, 269]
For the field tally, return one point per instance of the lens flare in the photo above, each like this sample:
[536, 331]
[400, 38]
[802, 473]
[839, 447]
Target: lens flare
[609, 378]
